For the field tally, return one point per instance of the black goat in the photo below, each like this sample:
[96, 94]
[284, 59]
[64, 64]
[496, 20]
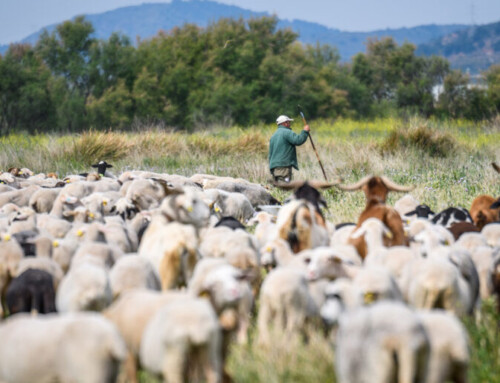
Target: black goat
[32, 290]
[230, 222]
[422, 211]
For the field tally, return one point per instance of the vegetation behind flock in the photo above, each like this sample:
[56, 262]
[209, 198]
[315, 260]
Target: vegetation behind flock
[240, 72]
[448, 162]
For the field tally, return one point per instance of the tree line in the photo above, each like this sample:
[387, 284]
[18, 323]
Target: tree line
[234, 72]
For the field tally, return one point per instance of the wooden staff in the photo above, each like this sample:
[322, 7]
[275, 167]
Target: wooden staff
[312, 143]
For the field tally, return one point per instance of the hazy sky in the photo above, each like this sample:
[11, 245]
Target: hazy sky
[19, 18]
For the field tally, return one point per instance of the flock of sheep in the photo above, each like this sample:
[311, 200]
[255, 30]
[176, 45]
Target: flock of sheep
[158, 272]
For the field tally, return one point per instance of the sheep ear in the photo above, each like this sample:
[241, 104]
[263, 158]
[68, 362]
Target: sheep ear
[109, 165]
[413, 212]
[95, 165]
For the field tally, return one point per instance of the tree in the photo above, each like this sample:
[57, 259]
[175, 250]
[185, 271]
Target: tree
[25, 100]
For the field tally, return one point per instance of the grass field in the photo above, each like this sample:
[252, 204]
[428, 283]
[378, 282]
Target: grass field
[448, 162]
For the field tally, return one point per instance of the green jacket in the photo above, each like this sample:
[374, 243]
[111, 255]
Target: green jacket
[282, 147]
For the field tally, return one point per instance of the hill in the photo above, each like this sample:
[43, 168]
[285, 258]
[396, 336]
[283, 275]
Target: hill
[144, 21]
[471, 49]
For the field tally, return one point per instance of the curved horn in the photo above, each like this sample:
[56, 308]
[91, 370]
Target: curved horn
[323, 184]
[392, 186]
[496, 167]
[358, 185]
[288, 186]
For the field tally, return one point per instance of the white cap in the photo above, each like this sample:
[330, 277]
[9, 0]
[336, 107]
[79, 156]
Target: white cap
[281, 119]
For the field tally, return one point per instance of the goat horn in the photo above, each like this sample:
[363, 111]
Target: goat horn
[358, 185]
[288, 186]
[392, 186]
[496, 167]
[323, 184]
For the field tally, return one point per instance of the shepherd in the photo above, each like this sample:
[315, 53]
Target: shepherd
[282, 152]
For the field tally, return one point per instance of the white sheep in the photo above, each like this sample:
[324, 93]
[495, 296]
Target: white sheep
[340, 295]
[56, 227]
[384, 342]
[393, 258]
[449, 346]
[434, 283]
[106, 253]
[492, 234]
[229, 292]
[117, 233]
[227, 204]
[147, 194]
[285, 304]
[187, 207]
[331, 262]
[181, 339]
[341, 235]
[43, 199]
[77, 347]
[11, 253]
[482, 257]
[470, 241]
[468, 280]
[132, 272]
[406, 204]
[172, 250]
[276, 253]
[236, 246]
[373, 231]
[84, 288]
[376, 283]
[131, 313]
[63, 251]
[266, 229]
[20, 197]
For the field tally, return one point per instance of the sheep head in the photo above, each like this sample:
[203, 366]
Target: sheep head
[376, 188]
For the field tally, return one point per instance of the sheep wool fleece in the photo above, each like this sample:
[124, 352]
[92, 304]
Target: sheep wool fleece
[282, 151]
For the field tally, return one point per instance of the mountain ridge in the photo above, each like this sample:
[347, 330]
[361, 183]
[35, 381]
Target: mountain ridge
[146, 20]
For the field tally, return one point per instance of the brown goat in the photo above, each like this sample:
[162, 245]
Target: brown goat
[482, 212]
[459, 228]
[376, 190]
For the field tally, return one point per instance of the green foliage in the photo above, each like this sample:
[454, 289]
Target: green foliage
[231, 72]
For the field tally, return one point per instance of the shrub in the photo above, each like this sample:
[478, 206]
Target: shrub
[421, 137]
[93, 146]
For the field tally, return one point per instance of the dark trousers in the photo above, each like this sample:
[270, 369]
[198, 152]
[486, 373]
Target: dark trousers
[282, 174]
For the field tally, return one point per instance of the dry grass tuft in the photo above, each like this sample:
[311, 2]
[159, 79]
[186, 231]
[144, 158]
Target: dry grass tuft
[94, 146]
[422, 138]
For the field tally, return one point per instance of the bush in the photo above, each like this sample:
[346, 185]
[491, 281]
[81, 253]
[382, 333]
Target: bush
[93, 146]
[421, 137]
